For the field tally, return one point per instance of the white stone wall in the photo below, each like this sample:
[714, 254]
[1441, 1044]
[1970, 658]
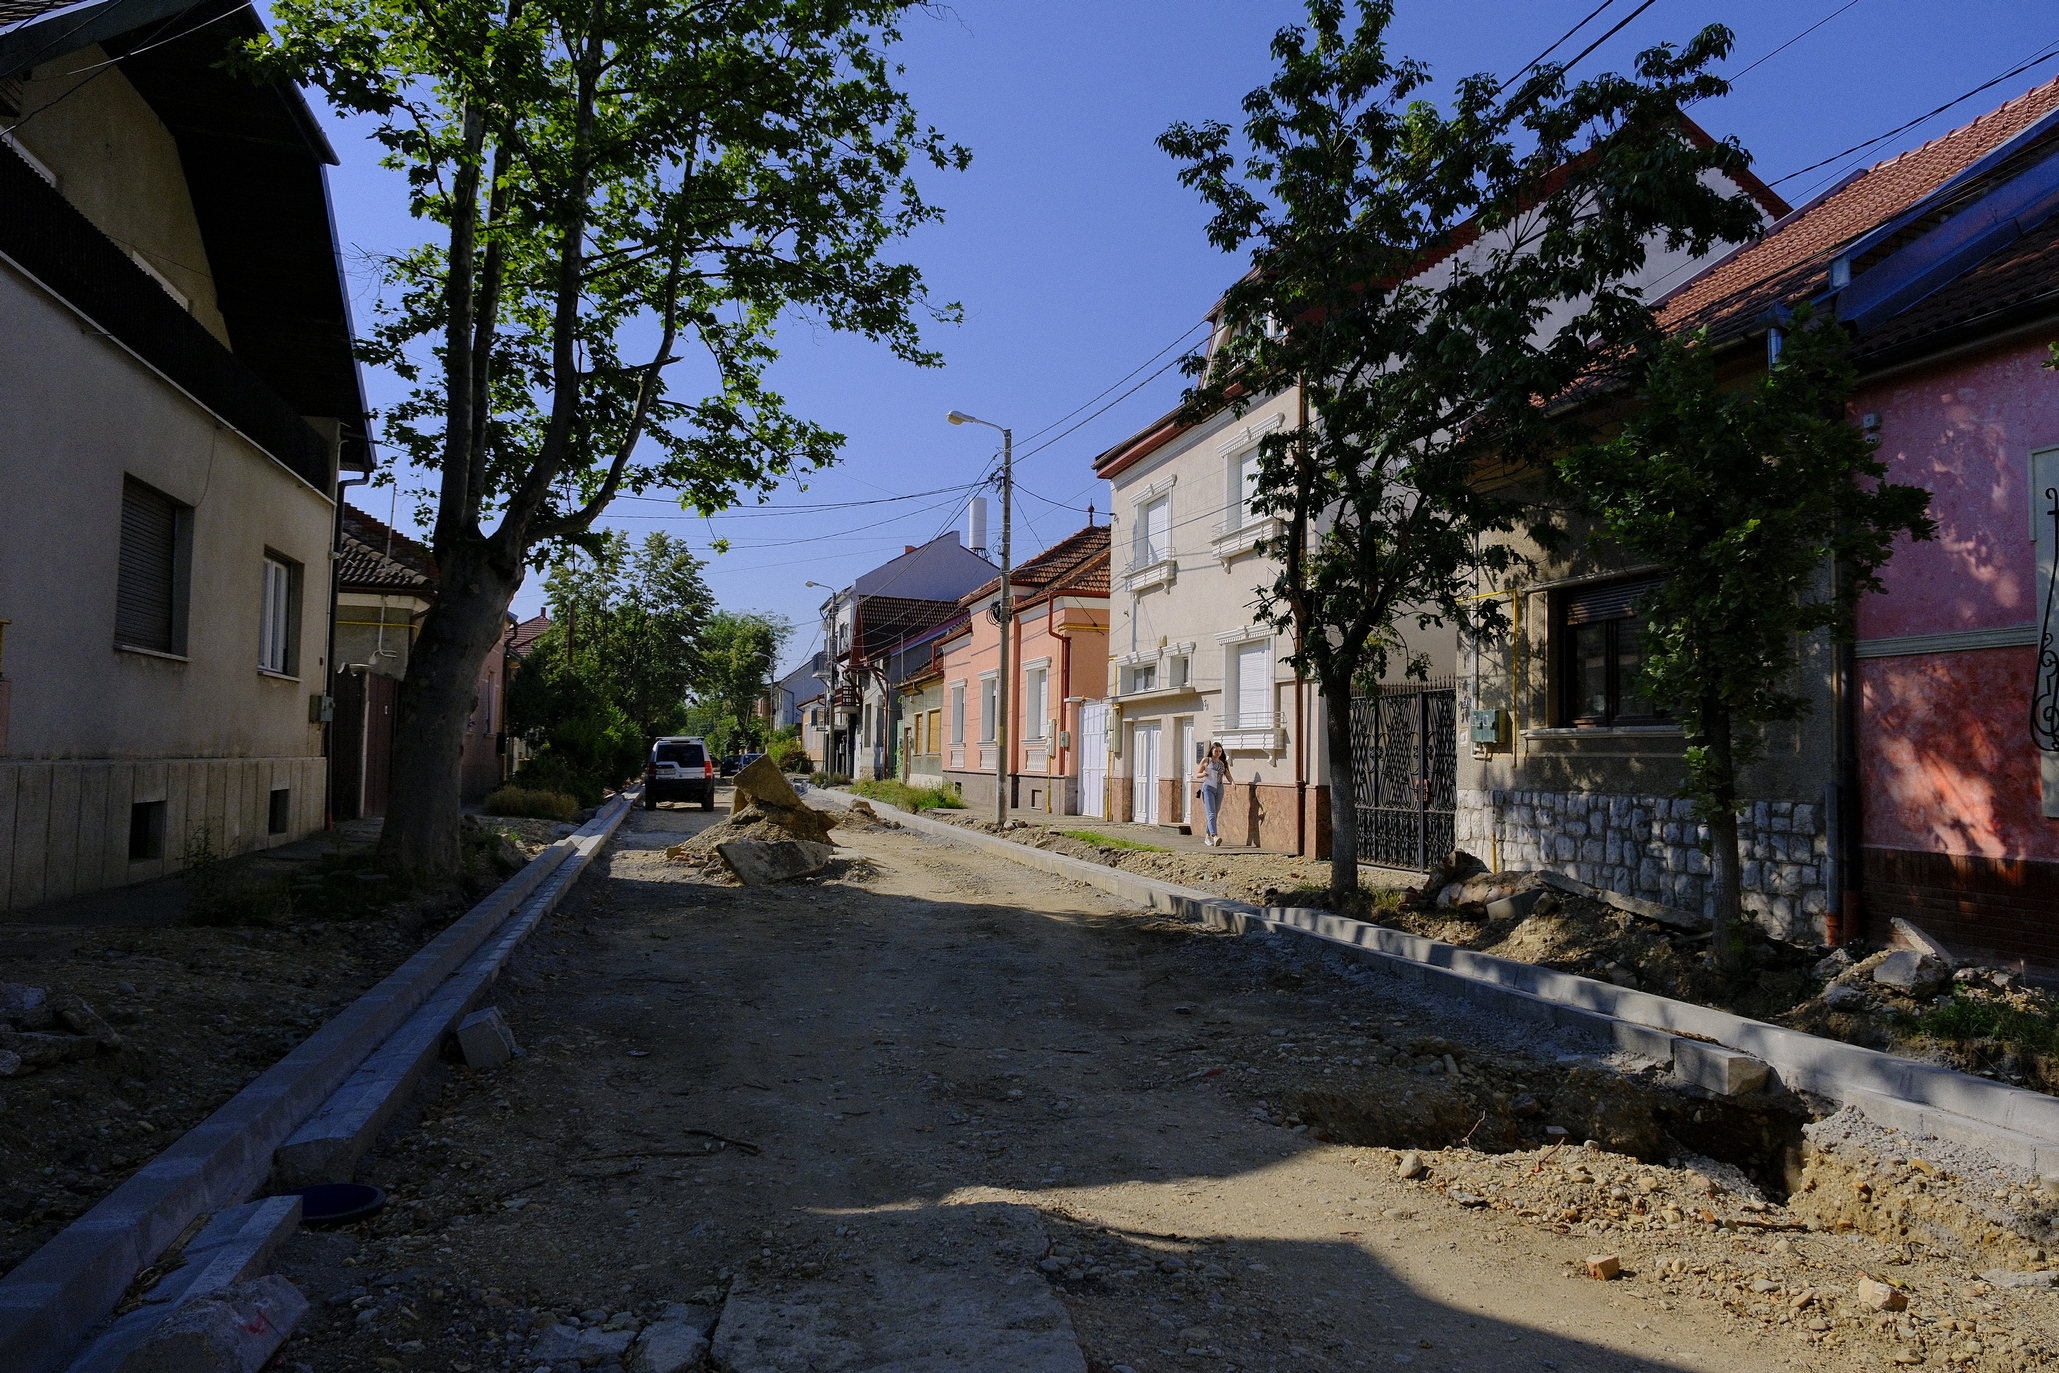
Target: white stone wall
[1651, 847]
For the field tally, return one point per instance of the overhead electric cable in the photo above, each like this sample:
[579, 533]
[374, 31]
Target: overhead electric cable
[1792, 41]
[1527, 66]
[2045, 56]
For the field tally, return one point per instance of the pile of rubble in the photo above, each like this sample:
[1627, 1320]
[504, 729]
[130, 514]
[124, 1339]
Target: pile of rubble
[771, 835]
[30, 1033]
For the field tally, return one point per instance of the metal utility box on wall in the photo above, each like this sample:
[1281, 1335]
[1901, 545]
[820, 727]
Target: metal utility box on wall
[1489, 727]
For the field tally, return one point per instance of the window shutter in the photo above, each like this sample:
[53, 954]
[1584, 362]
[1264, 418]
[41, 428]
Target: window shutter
[1254, 686]
[1158, 532]
[1611, 602]
[144, 590]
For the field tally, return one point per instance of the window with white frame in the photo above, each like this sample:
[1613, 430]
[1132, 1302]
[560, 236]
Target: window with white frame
[1141, 677]
[1153, 540]
[1035, 703]
[958, 713]
[1243, 490]
[279, 623]
[1251, 682]
[986, 709]
[1179, 671]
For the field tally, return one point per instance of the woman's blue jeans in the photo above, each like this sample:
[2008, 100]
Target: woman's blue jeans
[1211, 801]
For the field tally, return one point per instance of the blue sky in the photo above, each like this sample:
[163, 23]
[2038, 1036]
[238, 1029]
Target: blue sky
[1078, 257]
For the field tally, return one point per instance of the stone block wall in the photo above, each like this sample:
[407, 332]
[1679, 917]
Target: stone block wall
[1651, 847]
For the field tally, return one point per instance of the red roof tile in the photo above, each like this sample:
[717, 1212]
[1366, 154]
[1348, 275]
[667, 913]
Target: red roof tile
[1793, 259]
[1075, 552]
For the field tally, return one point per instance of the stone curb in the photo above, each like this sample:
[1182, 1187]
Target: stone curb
[328, 1146]
[2016, 1126]
[56, 1296]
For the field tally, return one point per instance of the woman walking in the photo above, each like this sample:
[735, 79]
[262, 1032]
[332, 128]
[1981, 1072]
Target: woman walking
[1213, 774]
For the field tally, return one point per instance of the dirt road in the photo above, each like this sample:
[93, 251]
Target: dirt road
[766, 1089]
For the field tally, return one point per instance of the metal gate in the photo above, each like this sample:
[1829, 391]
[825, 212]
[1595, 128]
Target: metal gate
[1404, 753]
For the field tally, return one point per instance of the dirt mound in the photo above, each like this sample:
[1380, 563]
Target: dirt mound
[752, 822]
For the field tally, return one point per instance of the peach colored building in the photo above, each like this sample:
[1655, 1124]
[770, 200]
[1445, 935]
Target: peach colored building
[1059, 661]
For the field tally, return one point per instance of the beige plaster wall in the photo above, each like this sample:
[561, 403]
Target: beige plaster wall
[118, 165]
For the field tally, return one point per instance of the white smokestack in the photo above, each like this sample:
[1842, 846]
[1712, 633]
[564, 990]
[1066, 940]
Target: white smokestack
[976, 525]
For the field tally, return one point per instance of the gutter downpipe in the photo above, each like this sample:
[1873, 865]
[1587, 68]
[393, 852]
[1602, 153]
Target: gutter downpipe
[329, 654]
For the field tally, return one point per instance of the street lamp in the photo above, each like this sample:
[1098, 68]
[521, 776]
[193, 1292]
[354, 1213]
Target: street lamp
[1002, 692]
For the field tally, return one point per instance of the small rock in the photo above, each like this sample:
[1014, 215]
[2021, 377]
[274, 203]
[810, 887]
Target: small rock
[84, 1020]
[1837, 962]
[1881, 1296]
[586, 1347]
[1764, 1285]
[484, 1039]
[1919, 975]
[1604, 1267]
[668, 1347]
[2002, 1277]
[1843, 996]
[1411, 1165]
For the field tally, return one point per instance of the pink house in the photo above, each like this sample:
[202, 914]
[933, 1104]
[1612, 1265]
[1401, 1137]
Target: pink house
[1943, 262]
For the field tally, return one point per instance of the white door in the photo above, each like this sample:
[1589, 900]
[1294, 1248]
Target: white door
[1144, 775]
[1183, 769]
[1093, 756]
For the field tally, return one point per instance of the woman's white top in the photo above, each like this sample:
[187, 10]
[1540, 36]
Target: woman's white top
[1213, 772]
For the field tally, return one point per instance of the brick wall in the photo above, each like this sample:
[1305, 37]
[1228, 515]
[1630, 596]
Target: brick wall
[1978, 906]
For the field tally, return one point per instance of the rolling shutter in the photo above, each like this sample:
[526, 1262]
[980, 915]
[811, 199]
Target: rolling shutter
[144, 592]
[1611, 602]
[1254, 685]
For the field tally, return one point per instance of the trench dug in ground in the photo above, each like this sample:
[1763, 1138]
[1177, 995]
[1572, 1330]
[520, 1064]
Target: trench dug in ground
[1642, 1115]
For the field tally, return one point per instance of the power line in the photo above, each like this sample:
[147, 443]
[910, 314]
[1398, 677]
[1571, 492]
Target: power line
[1620, 25]
[1792, 41]
[2044, 56]
[1554, 47]
[1121, 379]
[768, 511]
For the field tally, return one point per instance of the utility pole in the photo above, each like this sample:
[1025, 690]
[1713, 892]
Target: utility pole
[1004, 611]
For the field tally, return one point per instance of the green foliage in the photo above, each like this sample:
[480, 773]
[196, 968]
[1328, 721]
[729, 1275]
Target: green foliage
[1746, 497]
[583, 743]
[828, 779]
[898, 793]
[740, 648]
[2034, 1027]
[785, 749]
[1110, 841]
[535, 805]
[1349, 183]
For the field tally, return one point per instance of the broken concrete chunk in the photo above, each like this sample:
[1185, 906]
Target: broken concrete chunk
[1915, 974]
[237, 1330]
[1880, 1296]
[765, 784]
[26, 1007]
[668, 1347]
[83, 1019]
[759, 863]
[484, 1039]
[40, 1050]
[10, 1063]
[1836, 962]
[1604, 1267]
[1908, 936]
[1725, 1072]
[1843, 996]
[563, 1343]
[2002, 1277]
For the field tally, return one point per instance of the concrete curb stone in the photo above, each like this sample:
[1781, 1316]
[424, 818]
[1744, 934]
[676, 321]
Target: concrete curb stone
[2017, 1126]
[52, 1300]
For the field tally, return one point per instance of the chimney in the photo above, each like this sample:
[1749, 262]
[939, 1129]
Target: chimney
[976, 525]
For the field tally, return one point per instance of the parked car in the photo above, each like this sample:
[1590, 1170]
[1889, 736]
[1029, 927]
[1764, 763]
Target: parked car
[679, 770]
[730, 765]
[744, 760]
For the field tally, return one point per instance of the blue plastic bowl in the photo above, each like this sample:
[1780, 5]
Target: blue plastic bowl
[336, 1203]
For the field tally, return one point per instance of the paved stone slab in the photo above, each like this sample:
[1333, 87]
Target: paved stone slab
[55, 1298]
[761, 863]
[963, 1306]
[236, 1330]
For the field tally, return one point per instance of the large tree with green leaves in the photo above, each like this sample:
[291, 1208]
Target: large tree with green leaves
[736, 667]
[1768, 513]
[613, 186]
[1428, 276]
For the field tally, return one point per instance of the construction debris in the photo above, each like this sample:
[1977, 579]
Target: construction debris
[760, 864]
[29, 1038]
[777, 836]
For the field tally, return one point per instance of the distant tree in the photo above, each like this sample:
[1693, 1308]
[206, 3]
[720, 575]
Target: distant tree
[612, 672]
[741, 649]
[608, 186]
[1423, 356]
[1769, 515]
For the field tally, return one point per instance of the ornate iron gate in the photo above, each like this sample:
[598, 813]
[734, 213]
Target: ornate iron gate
[1404, 752]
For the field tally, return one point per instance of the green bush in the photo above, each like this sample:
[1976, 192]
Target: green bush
[829, 779]
[1110, 841]
[2036, 1030]
[788, 756]
[532, 803]
[898, 793]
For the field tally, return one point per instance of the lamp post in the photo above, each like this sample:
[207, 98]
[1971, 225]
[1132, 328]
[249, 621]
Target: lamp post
[1006, 607]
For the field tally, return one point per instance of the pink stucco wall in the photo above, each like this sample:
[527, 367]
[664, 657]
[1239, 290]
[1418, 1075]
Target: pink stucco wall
[1966, 431]
[1946, 758]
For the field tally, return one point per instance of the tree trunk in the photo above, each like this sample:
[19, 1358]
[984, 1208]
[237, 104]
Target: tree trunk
[1720, 779]
[1343, 786]
[421, 833]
